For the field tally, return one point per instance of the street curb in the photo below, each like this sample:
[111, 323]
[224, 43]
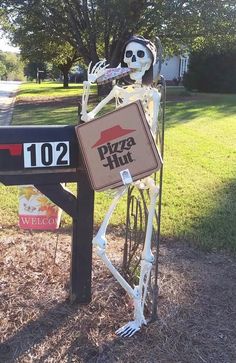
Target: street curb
[7, 112]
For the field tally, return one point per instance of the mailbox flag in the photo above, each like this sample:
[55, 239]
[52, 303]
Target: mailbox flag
[36, 211]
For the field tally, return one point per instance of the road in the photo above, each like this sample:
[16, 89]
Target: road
[7, 97]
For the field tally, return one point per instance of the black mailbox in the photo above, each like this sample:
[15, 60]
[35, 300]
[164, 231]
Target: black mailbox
[38, 155]
[47, 156]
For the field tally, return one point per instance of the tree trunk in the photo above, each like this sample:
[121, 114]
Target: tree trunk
[65, 78]
[104, 89]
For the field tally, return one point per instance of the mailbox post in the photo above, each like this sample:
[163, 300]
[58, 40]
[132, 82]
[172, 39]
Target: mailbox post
[47, 156]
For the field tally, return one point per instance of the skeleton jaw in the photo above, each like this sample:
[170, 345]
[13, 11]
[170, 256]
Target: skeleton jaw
[137, 72]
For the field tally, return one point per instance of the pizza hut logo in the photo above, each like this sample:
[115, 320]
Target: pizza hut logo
[115, 154]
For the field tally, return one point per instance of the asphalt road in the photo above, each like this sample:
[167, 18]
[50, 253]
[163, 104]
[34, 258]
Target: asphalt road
[7, 98]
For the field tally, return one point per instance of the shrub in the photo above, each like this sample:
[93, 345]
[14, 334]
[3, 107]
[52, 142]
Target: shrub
[212, 71]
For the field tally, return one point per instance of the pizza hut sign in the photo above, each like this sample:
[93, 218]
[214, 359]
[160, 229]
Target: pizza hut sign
[119, 141]
[112, 153]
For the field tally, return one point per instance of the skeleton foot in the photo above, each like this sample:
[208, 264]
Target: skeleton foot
[132, 327]
[128, 329]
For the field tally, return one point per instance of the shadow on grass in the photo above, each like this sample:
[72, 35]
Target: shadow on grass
[60, 110]
[183, 112]
[217, 229]
[49, 115]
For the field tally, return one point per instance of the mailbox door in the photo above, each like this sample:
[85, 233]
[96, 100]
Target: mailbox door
[38, 155]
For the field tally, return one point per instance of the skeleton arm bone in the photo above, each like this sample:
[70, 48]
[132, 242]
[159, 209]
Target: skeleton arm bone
[93, 74]
[89, 116]
[85, 98]
[156, 97]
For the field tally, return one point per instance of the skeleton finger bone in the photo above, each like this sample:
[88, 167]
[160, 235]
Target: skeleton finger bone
[89, 68]
[98, 70]
[98, 65]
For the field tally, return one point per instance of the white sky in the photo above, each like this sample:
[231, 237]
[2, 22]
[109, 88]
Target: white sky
[5, 47]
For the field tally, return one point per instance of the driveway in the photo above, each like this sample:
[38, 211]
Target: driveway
[7, 98]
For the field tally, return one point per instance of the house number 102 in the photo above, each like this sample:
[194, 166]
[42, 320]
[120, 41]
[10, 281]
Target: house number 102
[46, 154]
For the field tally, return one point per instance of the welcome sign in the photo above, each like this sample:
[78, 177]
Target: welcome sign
[36, 211]
[119, 142]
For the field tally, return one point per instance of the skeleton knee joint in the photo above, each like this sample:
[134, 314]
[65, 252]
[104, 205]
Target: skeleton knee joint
[154, 190]
[100, 242]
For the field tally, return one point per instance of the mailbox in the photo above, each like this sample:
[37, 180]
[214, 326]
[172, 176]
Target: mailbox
[38, 155]
[47, 156]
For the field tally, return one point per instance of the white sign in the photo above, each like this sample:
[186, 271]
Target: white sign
[46, 154]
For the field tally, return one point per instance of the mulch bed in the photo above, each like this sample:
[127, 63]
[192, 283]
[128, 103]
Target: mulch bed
[196, 306]
[51, 101]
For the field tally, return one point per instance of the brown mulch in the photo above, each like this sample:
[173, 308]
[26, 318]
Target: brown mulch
[196, 307]
[52, 101]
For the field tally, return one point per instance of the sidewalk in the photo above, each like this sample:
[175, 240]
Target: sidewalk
[8, 92]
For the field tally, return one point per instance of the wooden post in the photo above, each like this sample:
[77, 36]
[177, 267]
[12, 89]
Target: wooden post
[81, 250]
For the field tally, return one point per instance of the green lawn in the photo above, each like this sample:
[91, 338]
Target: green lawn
[48, 89]
[30, 111]
[200, 175]
[199, 198]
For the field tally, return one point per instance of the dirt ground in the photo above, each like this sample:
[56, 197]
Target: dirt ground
[196, 306]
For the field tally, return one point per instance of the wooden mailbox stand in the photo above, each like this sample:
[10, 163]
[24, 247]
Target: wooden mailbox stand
[47, 156]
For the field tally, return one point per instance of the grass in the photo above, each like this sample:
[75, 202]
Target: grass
[34, 104]
[199, 199]
[48, 89]
[200, 189]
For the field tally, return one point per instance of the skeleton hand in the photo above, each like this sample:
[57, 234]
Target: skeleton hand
[86, 117]
[97, 71]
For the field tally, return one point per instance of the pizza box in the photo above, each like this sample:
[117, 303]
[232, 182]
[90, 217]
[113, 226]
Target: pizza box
[118, 148]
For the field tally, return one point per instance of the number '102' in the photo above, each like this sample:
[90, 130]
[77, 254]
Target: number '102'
[46, 154]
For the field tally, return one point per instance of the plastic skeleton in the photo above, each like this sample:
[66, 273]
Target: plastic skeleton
[140, 56]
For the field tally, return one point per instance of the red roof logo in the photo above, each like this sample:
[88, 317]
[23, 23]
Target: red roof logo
[111, 134]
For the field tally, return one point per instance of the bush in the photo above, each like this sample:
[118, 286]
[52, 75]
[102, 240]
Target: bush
[212, 72]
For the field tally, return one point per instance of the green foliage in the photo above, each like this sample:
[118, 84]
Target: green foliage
[34, 33]
[11, 66]
[98, 28]
[212, 70]
[3, 69]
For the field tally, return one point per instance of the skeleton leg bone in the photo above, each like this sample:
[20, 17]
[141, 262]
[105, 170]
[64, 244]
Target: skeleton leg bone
[100, 242]
[146, 265]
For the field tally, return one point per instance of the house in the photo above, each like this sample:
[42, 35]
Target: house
[173, 68]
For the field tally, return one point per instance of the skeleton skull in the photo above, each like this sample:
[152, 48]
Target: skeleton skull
[138, 58]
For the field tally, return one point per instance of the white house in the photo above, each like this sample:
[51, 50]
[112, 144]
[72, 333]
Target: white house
[173, 68]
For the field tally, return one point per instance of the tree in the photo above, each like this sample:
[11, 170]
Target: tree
[99, 28]
[11, 66]
[3, 70]
[37, 42]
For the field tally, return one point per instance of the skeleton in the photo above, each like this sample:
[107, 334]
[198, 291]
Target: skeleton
[140, 57]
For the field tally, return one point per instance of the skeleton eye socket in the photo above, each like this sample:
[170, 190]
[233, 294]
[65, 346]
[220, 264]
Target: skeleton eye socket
[128, 53]
[140, 53]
